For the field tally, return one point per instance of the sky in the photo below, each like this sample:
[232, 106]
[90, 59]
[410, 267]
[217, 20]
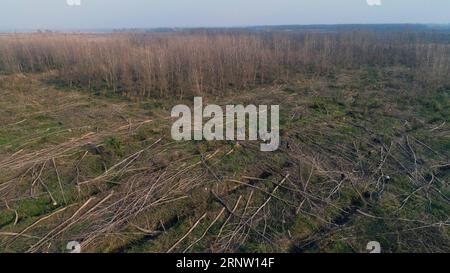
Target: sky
[108, 14]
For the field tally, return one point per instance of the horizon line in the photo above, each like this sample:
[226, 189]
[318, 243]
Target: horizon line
[222, 27]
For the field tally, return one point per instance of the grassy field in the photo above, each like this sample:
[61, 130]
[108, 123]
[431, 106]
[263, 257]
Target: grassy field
[365, 156]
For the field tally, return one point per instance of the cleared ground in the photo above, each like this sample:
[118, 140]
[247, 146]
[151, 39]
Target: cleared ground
[365, 157]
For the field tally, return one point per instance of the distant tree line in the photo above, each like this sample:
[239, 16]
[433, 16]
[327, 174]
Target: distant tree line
[187, 63]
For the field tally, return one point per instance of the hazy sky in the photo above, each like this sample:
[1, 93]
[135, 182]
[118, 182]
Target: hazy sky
[57, 14]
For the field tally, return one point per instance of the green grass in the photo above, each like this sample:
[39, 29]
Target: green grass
[342, 123]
